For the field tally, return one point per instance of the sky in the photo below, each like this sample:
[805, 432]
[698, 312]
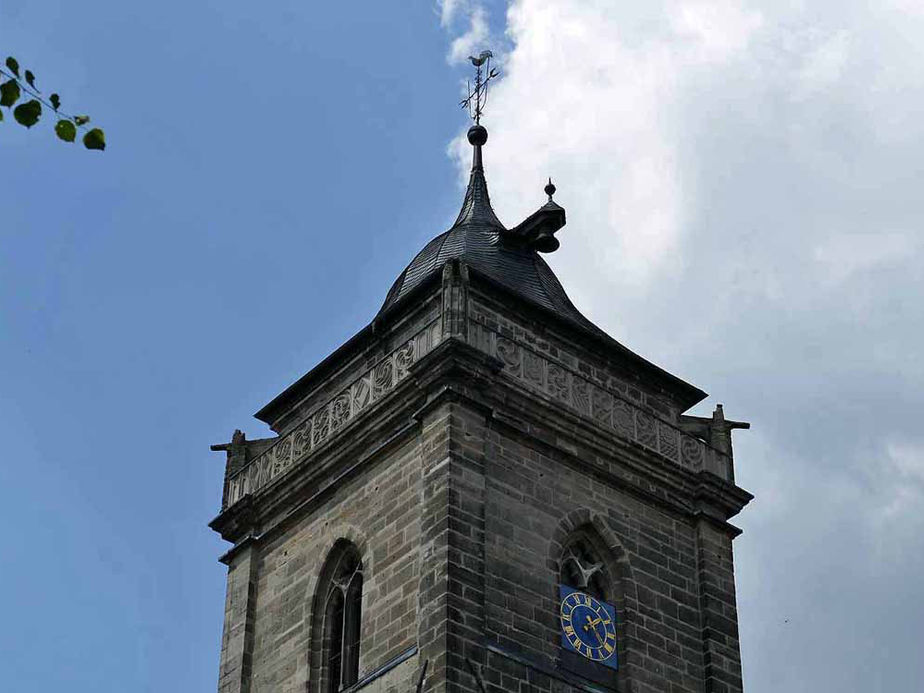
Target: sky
[742, 182]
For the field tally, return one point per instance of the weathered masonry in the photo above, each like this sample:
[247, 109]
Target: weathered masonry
[481, 491]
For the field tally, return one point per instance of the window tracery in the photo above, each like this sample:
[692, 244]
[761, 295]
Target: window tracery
[341, 593]
[583, 568]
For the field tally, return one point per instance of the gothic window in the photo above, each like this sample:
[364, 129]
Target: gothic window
[341, 591]
[583, 568]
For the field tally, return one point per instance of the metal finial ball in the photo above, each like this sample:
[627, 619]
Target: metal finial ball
[477, 135]
[550, 189]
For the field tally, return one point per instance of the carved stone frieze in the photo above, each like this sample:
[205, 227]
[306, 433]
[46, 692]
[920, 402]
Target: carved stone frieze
[339, 410]
[362, 394]
[624, 419]
[509, 353]
[691, 452]
[580, 395]
[647, 429]
[667, 441]
[601, 405]
[534, 367]
[320, 425]
[333, 415]
[559, 383]
[301, 439]
[602, 398]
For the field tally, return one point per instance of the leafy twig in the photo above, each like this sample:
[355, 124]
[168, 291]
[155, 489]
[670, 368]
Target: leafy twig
[29, 112]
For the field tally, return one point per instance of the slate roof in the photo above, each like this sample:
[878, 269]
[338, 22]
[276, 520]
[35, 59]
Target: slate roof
[478, 239]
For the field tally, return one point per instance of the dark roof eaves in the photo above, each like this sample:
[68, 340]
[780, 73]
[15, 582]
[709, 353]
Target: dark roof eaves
[286, 399]
[276, 407]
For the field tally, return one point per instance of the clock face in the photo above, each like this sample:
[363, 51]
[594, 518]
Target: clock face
[588, 626]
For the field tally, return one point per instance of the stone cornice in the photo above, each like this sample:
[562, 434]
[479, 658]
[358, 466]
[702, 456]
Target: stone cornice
[613, 460]
[456, 371]
[439, 378]
[293, 494]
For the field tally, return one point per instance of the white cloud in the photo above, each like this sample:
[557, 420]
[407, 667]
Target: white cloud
[593, 90]
[908, 458]
[722, 29]
[473, 39]
[448, 10]
[909, 6]
[907, 493]
[742, 182]
[842, 255]
[824, 63]
[475, 32]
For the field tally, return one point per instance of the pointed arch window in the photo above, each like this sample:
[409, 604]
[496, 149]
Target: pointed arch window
[342, 593]
[598, 567]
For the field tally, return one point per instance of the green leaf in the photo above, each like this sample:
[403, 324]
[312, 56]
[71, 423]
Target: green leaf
[81, 120]
[9, 93]
[1, 115]
[13, 65]
[55, 101]
[30, 79]
[28, 113]
[95, 139]
[66, 130]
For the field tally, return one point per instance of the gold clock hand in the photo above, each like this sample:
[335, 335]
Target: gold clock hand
[590, 627]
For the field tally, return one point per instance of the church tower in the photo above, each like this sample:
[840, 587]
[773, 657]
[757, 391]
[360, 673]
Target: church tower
[481, 491]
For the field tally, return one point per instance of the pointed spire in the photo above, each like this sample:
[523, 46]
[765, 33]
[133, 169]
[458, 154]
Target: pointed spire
[476, 207]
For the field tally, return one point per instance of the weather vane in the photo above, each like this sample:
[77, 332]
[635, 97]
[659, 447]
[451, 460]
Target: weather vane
[478, 97]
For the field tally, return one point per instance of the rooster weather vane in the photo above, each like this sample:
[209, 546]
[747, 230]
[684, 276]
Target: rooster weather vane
[478, 97]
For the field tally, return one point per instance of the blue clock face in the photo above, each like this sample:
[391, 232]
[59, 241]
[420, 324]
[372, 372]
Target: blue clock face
[588, 626]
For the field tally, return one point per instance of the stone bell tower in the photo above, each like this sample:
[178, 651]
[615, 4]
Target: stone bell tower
[482, 491]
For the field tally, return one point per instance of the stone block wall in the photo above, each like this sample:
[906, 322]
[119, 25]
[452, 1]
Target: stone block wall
[380, 513]
[533, 499]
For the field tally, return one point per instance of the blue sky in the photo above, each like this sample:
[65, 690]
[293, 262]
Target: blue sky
[743, 189]
[268, 175]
